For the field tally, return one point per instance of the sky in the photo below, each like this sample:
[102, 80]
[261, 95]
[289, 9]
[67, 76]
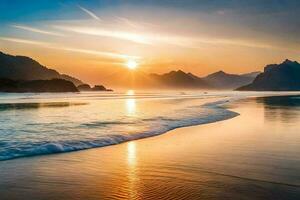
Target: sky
[93, 40]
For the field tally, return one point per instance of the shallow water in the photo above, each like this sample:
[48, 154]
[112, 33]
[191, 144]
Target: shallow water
[37, 124]
[254, 155]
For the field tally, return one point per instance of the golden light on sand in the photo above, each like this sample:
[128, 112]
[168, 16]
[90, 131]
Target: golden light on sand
[131, 153]
[131, 64]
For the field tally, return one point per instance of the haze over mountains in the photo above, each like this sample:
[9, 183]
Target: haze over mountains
[277, 77]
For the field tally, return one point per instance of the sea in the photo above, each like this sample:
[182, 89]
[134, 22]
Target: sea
[38, 124]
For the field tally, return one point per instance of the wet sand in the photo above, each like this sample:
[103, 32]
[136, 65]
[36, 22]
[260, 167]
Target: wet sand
[255, 155]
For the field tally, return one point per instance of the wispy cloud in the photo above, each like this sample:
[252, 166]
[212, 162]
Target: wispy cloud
[153, 38]
[90, 13]
[129, 36]
[24, 41]
[100, 53]
[71, 49]
[128, 22]
[237, 42]
[36, 30]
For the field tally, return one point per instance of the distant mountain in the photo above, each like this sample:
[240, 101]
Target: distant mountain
[277, 77]
[101, 88]
[37, 86]
[179, 79]
[25, 68]
[171, 80]
[86, 87]
[222, 80]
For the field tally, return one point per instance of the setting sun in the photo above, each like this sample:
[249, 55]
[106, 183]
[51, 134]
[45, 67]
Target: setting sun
[131, 64]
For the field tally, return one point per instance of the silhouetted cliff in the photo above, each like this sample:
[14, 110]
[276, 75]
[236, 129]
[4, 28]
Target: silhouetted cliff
[277, 77]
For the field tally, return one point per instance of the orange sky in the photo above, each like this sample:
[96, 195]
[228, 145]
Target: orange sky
[99, 44]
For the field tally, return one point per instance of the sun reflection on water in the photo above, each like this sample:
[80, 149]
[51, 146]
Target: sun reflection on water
[130, 103]
[130, 92]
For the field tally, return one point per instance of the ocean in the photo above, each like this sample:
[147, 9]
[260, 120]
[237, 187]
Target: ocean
[38, 124]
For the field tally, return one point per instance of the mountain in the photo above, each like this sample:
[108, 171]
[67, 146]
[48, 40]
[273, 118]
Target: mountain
[86, 87]
[222, 80]
[25, 68]
[36, 86]
[101, 88]
[171, 80]
[179, 79]
[277, 77]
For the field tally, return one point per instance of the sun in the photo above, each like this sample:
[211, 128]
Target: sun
[131, 64]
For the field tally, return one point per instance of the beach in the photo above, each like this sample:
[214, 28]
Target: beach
[254, 155]
[149, 100]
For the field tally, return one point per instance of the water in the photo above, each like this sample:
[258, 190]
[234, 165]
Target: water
[254, 155]
[37, 124]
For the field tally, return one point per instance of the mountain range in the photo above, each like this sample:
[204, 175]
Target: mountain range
[277, 77]
[181, 80]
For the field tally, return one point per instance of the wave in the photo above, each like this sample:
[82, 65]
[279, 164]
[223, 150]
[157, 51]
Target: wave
[155, 126]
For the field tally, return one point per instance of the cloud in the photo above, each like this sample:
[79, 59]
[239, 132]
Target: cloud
[24, 41]
[128, 22]
[129, 36]
[232, 42]
[153, 37]
[90, 13]
[187, 42]
[78, 50]
[100, 53]
[36, 30]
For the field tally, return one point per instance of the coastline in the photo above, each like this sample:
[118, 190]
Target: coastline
[209, 161]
